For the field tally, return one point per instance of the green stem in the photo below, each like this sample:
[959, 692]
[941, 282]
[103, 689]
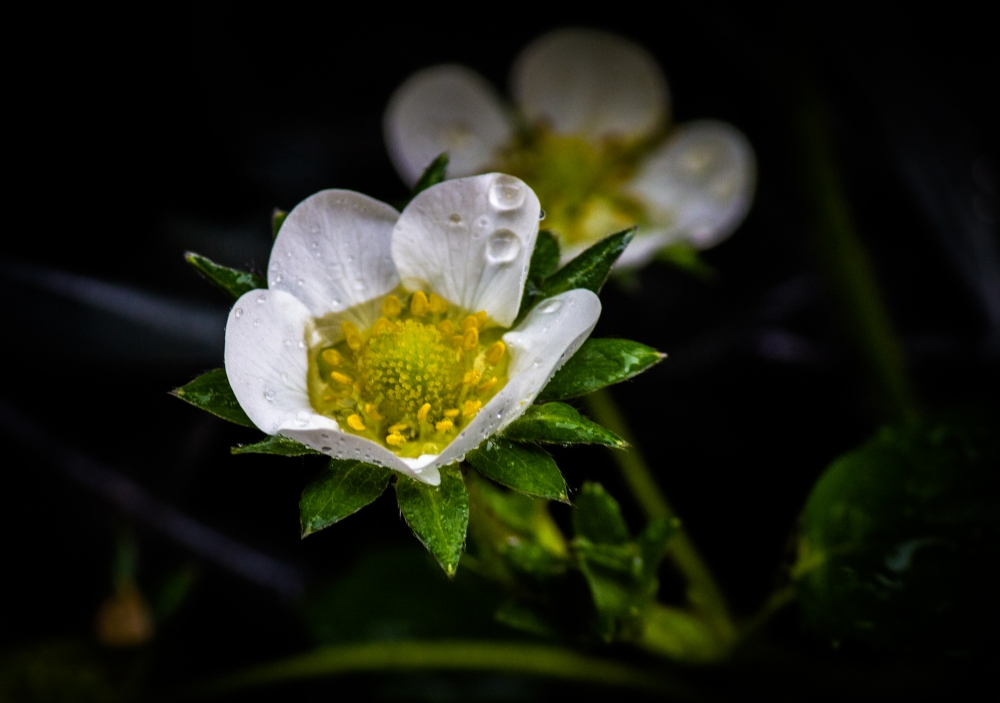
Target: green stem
[509, 658]
[703, 593]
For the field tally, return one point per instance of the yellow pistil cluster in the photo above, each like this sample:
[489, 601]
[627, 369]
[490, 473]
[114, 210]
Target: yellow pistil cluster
[579, 182]
[415, 379]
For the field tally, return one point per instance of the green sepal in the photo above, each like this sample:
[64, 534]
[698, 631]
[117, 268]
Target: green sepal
[544, 262]
[277, 219]
[211, 392]
[597, 516]
[523, 467]
[436, 173]
[343, 488]
[233, 281]
[438, 515]
[599, 363]
[275, 444]
[558, 423]
[590, 269]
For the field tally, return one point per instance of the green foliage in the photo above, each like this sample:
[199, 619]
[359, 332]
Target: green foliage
[558, 423]
[277, 219]
[275, 444]
[436, 173]
[588, 270]
[523, 467]
[342, 489]
[438, 515]
[684, 256]
[599, 363]
[900, 536]
[211, 392]
[233, 281]
[544, 262]
[597, 516]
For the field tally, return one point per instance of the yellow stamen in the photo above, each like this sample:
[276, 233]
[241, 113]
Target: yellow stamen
[446, 327]
[470, 377]
[333, 357]
[438, 304]
[456, 341]
[398, 427]
[341, 378]
[419, 304]
[372, 412]
[352, 335]
[382, 326]
[486, 385]
[444, 425]
[395, 439]
[356, 422]
[481, 319]
[471, 407]
[422, 413]
[470, 322]
[470, 340]
[495, 353]
[453, 413]
[391, 307]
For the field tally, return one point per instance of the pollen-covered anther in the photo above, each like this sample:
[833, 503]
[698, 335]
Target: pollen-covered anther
[341, 378]
[471, 407]
[470, 340]
[486, 385]
[481, 319]
[398, 427]
[391, 306]
[444, 425]
[356, 422]
[372, 412]
[437, 304]
[382, 326]
[395, 439]
[419, 305]
[422, 413]
[352, 335]
[333, 357]
[447, 328]
[452, 413]
[470, 322]
[495, 353]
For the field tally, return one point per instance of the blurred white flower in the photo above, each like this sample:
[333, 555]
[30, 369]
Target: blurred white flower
[384, 337]
[591, 136]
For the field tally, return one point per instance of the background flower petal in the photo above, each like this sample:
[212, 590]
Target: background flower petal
[333, 251]
[470, 241]
[589, 82]
[700, 183]
[445, 108]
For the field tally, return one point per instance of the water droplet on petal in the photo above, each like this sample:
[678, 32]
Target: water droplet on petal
[256, 322]
[261, 299]
[502, 247]
[506, 193]
[287, 343]
[279, 278]
[302, 418]
[238, 312]
[302, 345]
[269, 394]
[300, 282]
[550, 306]
[326, 449]
[541, 214]
[284, 377]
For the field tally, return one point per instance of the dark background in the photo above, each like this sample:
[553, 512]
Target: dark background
[136, 139]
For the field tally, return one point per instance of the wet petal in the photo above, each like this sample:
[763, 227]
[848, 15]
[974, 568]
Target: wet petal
[470, 241]
[445, 108]
[700, 183]
[584, 81]
[333, 251]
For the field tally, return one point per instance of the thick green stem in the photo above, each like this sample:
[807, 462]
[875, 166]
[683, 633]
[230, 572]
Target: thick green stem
[505, 657]
[703, 593]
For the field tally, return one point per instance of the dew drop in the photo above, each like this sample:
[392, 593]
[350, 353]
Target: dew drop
[300, 282]
[506, 193]
[287, 343]
[327, 449]
[302, 417]
[550, 306]
[261, 299]
[256, 322]
[279, 278]
[284, 377]
[269, 394]
[502, 247]
[302, 345]
[541, 214]
[455, 217]
[238, 312]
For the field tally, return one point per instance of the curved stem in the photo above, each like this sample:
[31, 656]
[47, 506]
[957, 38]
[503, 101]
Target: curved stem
[505, 657]
[703, 592]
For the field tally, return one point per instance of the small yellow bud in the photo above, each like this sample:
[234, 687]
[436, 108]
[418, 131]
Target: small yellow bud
[341, 378]
[422, 413]
[419, 304]
[444, 425]
[391, 307]
[437, 304]
[470, 340]
[333, 357]
[495, 353]
[356, 422]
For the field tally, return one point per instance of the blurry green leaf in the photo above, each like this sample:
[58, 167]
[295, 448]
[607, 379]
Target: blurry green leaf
[599, 363]
[590, 269]
[544, 261]
[523, 467]
[438, 515]
[436, 173]
[173, 593]
[654, 540]
[64, 670]
[275, 444]
[900, 537]
[686, 257]
[598, 517]
[342, 489]
[558, 423]
[211, 392]
[277, 219]
[520, 617]
[233, 281]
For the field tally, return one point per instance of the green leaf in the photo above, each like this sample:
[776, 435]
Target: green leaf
[438, 515]
[654, 540]
[211, 392]
[275, 444]
[545, 257]
[521, 617]
[436, 173]
[598, 517]
[233, 281]
[599, 363]
[523, 467]
[686, 257]
[277, 219]
[558, 423]
[342, 489]
[590, 269]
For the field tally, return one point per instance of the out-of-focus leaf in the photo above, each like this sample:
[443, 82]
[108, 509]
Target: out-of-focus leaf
[277, 219]
[275, 444]
[654, 540]
[523, 467]
[438, 515]
[544, 262]
[558, 423]
[597, 516]
[342, 489]
[436, 173]
[599, 363]
[521, 617]
[233, 281]
[172, 594]
[900, 536]
[684, 256]
[211, 392]
[588, 270]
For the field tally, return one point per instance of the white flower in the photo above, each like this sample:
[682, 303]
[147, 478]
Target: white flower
[384, 337]
[597, 150]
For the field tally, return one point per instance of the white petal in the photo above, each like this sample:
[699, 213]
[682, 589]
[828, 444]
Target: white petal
[583, 81]
[700, 183]
[333, 251]
[470, 241]
[267, 362]
[445, 108]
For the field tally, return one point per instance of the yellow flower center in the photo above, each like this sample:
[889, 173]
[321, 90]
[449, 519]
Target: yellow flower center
[415, 379]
